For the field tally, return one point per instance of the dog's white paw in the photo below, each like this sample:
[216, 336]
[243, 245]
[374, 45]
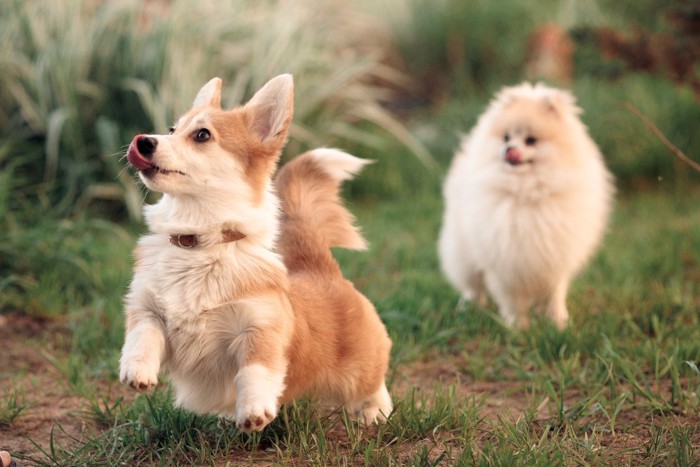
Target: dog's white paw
[255, 416]
[369, 415]
[259, 389]
[139, 375]
[375, 408]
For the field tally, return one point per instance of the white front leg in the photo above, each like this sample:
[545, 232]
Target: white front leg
[142, 354]
[258, 391]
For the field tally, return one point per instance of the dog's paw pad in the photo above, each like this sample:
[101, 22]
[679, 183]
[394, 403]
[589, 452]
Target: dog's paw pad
[255, 419]
[141, 386]
[139, 377]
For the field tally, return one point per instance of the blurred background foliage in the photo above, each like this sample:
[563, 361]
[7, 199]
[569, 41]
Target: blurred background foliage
[393, 80]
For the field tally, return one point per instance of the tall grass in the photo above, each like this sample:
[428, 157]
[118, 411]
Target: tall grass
[79, 78]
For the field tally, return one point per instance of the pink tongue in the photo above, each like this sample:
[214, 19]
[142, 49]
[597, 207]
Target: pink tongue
[512, 156]
[136, 159]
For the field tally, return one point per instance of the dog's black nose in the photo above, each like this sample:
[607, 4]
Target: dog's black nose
[147, 145]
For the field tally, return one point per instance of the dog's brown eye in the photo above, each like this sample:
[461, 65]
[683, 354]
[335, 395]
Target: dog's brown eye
[530, 140]
[202, 135]
[506, 138]
[171, 130]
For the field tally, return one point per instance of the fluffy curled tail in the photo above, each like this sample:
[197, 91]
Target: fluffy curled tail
[313, 216]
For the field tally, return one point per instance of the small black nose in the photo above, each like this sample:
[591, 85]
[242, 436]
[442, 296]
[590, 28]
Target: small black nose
[147, 145]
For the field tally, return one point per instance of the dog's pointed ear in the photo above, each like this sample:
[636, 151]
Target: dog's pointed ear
[209, 95]
[561, 103]
[271, 109]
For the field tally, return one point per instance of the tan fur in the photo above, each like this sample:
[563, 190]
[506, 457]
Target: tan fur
[352, 357]
[240, 327]
[313, 217]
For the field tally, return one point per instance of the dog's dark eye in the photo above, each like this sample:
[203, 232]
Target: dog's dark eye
[171, 130]
[530, 140]
[202, 135]
[506, 138]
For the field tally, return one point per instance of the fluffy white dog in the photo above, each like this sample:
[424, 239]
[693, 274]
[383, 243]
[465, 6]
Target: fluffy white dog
[527, 199]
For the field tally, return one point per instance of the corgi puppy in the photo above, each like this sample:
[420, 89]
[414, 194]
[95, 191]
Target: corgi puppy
[527, 200]
[235, 292]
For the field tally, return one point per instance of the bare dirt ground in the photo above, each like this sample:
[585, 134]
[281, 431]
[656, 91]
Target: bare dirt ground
[25, 364]
[28, 347]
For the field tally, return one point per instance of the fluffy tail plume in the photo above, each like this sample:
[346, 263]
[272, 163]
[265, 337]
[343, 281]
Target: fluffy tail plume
[313, 216]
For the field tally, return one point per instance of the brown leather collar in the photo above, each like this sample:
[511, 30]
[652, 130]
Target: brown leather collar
[191, 240]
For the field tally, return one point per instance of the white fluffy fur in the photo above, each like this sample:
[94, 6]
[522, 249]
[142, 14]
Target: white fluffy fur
[523, 232]
[205, 366]
[339, 164]
[182, 283]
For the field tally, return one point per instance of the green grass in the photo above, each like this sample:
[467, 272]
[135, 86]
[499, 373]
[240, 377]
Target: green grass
[619, 386]
[11, 406]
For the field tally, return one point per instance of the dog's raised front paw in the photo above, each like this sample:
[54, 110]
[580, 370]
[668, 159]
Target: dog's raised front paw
[138, 375]
[255, 417]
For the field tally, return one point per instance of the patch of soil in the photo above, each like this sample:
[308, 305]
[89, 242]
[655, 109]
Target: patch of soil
[51, 409]
[636, 427]
[505, 397]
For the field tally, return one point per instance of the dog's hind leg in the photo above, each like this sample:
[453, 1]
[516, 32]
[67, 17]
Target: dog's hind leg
[513, 305]
[556, 307]
[375, 408]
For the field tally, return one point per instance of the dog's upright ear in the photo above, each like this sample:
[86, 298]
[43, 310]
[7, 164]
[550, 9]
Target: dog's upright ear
[561, 103]
[209, 95]
[271, 110]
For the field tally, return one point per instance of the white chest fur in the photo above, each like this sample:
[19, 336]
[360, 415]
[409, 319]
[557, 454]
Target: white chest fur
[184, 282]
[197, 296]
